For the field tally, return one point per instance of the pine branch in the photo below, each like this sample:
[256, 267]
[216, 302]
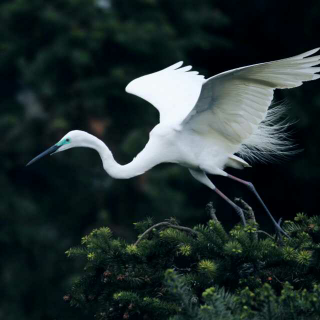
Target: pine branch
[217, 274]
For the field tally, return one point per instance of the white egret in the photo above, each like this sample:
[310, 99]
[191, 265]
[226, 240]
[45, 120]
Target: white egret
[205, 122]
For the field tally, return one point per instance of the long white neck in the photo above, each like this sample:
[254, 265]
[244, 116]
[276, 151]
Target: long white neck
[137, 166]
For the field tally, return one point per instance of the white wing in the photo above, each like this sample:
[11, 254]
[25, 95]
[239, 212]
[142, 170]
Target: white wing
[173, 91]
[233, 103]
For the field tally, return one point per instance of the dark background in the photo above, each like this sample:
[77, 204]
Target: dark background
[64, 66]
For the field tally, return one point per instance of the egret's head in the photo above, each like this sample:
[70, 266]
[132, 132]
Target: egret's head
[72, 139]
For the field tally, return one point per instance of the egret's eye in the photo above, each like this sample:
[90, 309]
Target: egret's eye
[68, 140]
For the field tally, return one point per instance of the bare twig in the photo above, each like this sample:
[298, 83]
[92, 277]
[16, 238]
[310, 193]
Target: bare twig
[248, 209]
[211, 211]
[267, 234]
[167, 224]
[249, 213]
[277, 279]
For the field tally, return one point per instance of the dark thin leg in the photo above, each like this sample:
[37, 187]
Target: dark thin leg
[237, 208]
[253, 189]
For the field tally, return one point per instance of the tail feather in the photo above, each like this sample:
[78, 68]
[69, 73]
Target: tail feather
[272, 139]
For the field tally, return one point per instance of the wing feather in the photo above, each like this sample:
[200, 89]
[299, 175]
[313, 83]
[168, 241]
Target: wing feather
[173, 91]
[235, 102]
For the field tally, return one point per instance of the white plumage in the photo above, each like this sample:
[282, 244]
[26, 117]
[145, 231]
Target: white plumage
[205, 122]
[173, 91]
[233, 103]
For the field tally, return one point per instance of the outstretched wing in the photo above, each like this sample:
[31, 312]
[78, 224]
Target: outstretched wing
[173, 91]
[233, 103]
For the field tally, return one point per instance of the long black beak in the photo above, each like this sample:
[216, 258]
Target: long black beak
[49, 151]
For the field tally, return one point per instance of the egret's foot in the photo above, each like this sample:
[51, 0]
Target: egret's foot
[279, 230]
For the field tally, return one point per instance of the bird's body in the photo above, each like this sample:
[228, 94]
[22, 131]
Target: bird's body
[205, 122]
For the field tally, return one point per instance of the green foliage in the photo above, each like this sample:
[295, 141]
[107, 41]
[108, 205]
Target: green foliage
[201, 273]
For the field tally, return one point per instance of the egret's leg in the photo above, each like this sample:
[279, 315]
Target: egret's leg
[253, 189]
[202, 177]
[235, 207]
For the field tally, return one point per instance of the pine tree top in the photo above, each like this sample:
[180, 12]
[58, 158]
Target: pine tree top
[201, 273]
